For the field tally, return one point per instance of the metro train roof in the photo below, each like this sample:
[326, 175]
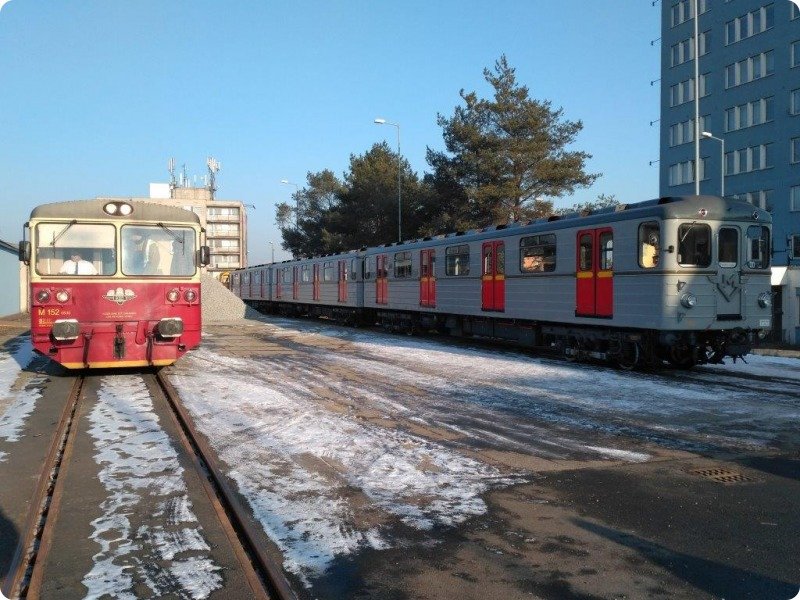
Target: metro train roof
[668, 207]
[93, 209]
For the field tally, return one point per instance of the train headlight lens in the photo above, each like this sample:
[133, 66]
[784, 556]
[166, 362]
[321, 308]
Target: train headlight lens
[125, 209]
[111, 208]
[689, 300]
[43, 296]
[190, 296]
[765, 299]
[173, 296]
[62, 296]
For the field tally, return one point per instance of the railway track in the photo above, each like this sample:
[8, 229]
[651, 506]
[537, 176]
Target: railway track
[29, 571]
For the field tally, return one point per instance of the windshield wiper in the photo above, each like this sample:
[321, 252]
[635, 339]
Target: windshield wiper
[63, 231]
[692, 224]
[172, 233]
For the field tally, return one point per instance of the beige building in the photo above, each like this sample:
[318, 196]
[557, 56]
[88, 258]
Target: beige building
[225, 222]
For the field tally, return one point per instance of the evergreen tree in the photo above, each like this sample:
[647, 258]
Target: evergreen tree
[505, 156]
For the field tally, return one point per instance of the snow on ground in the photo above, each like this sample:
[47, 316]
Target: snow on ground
[17, 400]
[136, 459]
[760, 366]
[324, 484]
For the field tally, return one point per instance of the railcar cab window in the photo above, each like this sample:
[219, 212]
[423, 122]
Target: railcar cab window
[758, 247]
[402, 265]
[160, 251]
[649, 244]
[457, 260]
[694, 245]
[537, 253]
[81, 249]
[728, 247]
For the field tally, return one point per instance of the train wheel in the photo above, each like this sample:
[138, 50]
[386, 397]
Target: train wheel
[630, 357]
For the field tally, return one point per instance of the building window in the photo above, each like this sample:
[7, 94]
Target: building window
[402, 264]
[537, 253]
[795, 150]
[795, 11]
[794, 102]
[457, 260]
[745, 160]
[761, 198]
[795, 52]
[684, 11]
[683, 172]
[750, 24]
[750, 114]
[683, 133]
[683, 51]
[750, 69]
[795, 249]
[794, 198]
[684, 91]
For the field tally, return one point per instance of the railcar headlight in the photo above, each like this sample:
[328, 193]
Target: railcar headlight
[125, 209]
[43, 296]
[62, 296]
[190, 296]
[111, 208]
[765, 299]
[173, 295]
[689, 300]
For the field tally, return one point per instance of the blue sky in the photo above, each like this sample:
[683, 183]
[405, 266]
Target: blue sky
[95, 96]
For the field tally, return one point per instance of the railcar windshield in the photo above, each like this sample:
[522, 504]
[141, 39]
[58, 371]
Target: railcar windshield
[158, 251]
[75, 249]
[694, 245]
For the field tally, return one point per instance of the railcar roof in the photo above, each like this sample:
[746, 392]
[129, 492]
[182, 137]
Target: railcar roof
[93, 209]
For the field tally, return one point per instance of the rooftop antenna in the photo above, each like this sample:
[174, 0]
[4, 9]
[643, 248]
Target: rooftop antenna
[184, 176]
[172, 182]
[213, 168]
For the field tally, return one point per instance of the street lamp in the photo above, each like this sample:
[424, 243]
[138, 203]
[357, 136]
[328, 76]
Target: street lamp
[708, 135]
[272, 245]
[296, 200]
[399, 173]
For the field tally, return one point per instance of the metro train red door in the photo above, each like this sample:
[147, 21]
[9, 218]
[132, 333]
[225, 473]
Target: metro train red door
[342, 281]
[594, 273]
[427, 278]
[493, 276]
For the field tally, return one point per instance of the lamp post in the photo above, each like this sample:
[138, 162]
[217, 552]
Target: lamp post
[708, 135]
[296, 201]
[399, 174]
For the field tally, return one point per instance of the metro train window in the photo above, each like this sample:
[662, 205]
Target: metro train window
[153, 250]
[728, 247]
[457, 260]
[649, 244]
[286, 275]
[327, 271]
[606, 243]
[305, 274]
[585, 256]
[758, 247]
[368, 267]
[72, 248]
[402, 264]
[694, 245]
[353, 269]
[537, 253]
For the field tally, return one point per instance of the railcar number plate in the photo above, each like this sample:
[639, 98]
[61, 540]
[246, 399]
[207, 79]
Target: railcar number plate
[764, 323]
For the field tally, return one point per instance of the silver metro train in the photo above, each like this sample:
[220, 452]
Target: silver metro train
[684, 280]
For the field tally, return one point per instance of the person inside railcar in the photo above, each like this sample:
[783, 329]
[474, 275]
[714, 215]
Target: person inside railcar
[75, 265]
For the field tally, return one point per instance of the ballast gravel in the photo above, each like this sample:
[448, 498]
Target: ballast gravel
[220, 304]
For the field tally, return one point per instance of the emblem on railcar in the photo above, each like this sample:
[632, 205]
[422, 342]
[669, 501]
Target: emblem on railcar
[727, 286]
[119, 295]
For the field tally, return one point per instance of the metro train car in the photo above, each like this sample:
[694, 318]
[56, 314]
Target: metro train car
[113, 283]
[683, 280]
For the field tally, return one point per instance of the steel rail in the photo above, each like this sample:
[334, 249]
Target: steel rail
[248, 534]
[32, 547]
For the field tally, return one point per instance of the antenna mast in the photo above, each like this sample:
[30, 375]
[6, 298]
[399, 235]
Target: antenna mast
[213, 169]
[172, 182]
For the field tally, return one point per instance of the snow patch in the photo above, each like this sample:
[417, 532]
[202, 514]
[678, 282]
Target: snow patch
[17, 399]
[620, 454]
[136, 459]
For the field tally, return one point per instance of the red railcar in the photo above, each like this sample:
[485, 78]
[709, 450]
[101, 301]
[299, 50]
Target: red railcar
[114, 283]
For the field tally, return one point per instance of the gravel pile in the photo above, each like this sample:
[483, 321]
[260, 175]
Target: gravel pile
[219, 303]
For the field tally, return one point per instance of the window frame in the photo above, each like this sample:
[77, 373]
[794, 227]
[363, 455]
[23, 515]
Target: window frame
[403, 264]
[648, 241]
[709, 241]
[545, 241]
[452, 262]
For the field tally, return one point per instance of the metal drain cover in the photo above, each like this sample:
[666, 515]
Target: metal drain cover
[721, 475]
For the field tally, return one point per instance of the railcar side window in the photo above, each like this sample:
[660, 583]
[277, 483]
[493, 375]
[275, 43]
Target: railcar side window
[305, 274]
[286, 275]
[402, 264]
[457, 260]
[537, 253]
[728, 247]
[353, 269]
[694, 245]
[606, 243]
[327, 271]
[649, 244]
[585, 257]
[758, 247]
[369, 267]
[75, 249]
